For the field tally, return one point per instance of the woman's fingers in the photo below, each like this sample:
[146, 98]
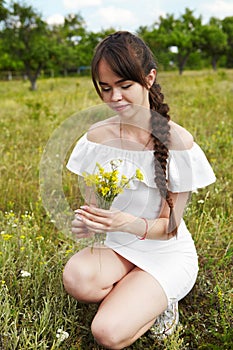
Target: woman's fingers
[100, 219]
[94, 211]
[79, 229]
[95, 219]
[93, 214]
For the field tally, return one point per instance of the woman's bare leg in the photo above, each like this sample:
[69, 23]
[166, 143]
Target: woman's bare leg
[91, 274]
[129, 310]
[132, 299]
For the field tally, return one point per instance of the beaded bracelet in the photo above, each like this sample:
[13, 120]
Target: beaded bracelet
[146, 231]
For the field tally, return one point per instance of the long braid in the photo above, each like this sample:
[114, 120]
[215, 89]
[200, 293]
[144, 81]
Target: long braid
[161, 137]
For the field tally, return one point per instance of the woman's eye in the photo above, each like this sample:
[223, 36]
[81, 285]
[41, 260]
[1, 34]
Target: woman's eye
[108, 88]
[105, 89]
[126, 86]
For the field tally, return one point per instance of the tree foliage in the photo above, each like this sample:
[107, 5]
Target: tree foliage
[227, 27]
[213, 41]
[3, 10]
[64, 42]
[181, 33]
[25, 37]
[188, 42]
[30, 45]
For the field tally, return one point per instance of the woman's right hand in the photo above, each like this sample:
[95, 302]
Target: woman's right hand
[79, 229]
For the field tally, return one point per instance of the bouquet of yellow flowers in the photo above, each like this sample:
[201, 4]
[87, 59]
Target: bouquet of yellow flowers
[107, 184]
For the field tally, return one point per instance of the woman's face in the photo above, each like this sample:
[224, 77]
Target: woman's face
[118, 93]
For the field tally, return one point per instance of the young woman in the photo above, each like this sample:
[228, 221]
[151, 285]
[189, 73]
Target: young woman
[149, 261]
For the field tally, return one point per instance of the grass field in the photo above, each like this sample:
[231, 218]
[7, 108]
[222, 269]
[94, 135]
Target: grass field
[33, 304]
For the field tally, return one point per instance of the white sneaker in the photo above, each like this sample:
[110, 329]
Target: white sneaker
[166, 323]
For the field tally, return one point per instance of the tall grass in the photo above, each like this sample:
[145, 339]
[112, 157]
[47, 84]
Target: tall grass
[33, 304]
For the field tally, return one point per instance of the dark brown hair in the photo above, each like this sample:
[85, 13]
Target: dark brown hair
[130, 58]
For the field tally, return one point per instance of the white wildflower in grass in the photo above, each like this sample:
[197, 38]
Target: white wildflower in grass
[24, 273]
[61, 335]
[201, 201]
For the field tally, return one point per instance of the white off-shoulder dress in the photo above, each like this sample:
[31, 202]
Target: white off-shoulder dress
[174, 262]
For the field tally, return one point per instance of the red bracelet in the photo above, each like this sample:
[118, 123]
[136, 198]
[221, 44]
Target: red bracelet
[146, 231]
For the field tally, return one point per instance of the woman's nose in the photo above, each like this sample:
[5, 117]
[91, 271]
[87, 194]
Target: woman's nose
[116, 95]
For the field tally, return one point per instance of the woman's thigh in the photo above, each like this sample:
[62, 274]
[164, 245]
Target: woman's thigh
[129, 310]
[90, 274]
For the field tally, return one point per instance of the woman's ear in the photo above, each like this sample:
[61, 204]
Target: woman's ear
[150, 78]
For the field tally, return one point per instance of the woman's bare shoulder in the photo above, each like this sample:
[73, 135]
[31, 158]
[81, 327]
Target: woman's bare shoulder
[180, 138]
[104, 130]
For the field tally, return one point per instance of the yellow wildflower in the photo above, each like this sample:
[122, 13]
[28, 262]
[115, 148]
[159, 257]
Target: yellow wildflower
[107, 184]
[39, 238]
[6, 236]
[104, 191]
[139, 175]
[68, 251]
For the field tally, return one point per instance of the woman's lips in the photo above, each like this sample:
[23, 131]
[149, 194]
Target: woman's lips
[119, 108]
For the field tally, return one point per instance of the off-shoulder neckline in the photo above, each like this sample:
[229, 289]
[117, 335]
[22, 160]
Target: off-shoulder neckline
[134, 151]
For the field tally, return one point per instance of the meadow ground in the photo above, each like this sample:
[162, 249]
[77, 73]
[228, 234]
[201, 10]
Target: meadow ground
[33, 303]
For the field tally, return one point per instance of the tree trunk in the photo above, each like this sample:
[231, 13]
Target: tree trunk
[33, 84]
[33, 76]
[182, 60]
[214, 63]
[181, 68]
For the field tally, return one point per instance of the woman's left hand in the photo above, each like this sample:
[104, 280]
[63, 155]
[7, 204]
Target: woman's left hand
[101, 220]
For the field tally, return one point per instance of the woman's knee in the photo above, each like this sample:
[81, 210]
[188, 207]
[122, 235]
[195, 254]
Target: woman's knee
[79, 278]
[107, 333]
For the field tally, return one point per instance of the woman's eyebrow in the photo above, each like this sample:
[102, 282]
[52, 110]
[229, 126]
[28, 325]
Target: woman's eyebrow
[116, 82]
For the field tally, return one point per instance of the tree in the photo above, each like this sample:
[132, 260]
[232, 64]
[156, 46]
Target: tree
[26, 39]
[213, 41]
[3, 10]
[3, 15]
[157, 42]
[87, 44]
[227, 27]
[63, 58]
[68, 42]
[182, 33]
[185, 37]
[74, 27]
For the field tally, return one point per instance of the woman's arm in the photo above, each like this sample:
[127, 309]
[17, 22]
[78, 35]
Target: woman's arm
[99, 220]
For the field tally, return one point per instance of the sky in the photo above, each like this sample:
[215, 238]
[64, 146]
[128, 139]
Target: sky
[127, 14]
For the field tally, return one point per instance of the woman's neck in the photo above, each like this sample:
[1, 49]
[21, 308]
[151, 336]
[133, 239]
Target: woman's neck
[136, 137]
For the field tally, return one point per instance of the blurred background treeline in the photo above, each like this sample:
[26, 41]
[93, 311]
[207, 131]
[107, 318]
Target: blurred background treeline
[31, 48]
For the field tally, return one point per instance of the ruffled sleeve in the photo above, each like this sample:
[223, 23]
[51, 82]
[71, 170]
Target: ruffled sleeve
[84, 157]
[189, 170]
